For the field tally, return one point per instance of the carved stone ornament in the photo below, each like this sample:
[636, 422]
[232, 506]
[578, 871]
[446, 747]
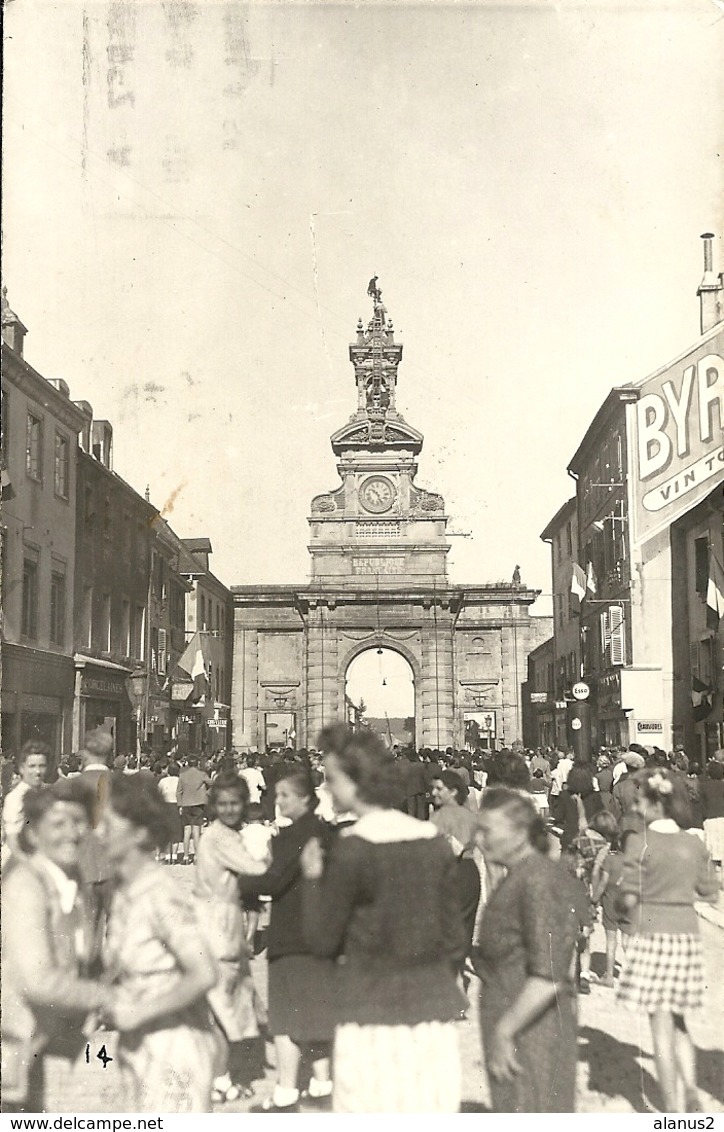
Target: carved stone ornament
[323, 503]
[426, 501]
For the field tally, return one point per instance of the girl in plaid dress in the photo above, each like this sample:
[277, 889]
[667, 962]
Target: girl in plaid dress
[665, 870]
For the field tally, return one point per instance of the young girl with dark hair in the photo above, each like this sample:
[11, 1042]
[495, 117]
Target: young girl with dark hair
[665, 870]
[300, 983]
[605, 890]
[223, 857]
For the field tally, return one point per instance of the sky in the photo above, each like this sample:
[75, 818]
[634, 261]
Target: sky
[196, 195]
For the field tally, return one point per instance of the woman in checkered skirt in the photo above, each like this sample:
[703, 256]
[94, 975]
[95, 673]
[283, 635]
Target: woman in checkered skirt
[665, 870]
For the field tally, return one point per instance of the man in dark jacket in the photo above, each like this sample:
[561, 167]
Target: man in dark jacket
[415, 787]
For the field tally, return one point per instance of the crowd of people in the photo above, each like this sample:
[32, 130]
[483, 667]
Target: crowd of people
[376, 883]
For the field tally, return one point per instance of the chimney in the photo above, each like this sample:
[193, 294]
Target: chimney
[60, 385]
[102, 441]
[85, 433]
[711, 289]
[13, 330]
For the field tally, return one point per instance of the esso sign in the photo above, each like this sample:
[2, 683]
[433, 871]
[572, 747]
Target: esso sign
[576, 725]
[580, 691]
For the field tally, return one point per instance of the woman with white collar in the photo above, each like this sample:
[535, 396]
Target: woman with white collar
[665, 871]
[46, 944]
[387, 900]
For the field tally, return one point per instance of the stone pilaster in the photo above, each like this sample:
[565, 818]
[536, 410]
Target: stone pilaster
[245, 689]
[436, 690]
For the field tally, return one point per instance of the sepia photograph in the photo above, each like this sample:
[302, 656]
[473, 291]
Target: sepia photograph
[362, 558]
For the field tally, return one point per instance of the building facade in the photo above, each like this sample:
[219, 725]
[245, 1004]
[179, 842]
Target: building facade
[649, 474]
[379, 580]
[113, 556]
[539, 705]
[562, 535]
[40, 427]
[206, 725]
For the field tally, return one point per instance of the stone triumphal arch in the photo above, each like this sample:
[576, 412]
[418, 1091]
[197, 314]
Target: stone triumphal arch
[378, 550]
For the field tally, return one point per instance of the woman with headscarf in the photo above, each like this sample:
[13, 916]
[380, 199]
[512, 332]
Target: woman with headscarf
[47, 936]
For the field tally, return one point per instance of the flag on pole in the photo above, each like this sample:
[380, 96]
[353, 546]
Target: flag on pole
[591, 584]
[715, 593]
[193, 662]
[578, 582]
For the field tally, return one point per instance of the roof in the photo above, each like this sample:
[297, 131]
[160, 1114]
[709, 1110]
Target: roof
[561, 516]
[619, 396]
[16, 370]
[198, 545]
[85, 459]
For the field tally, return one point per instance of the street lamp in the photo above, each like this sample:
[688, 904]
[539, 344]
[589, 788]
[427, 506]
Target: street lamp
[136, 688]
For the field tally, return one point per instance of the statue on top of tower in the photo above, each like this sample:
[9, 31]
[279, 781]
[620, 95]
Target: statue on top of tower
[373, 290]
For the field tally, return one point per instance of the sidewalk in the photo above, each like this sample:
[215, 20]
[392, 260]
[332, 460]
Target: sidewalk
[714, 913]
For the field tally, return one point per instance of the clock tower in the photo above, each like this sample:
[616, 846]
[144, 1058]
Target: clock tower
[377, 522]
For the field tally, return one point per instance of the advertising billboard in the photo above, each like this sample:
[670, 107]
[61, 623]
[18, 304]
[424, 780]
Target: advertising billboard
[677, 449]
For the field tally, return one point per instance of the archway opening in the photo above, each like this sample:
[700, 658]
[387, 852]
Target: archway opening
[380, 694]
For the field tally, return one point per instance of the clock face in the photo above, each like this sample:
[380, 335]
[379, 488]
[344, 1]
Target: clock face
[377, 494]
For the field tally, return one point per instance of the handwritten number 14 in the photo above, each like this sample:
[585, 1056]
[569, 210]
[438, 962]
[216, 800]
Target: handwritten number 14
[102, 1055]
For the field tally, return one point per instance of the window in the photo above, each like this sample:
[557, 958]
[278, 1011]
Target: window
[106, 624]
[126, 627]
[62, 465]
[30, 595]
[57, 607]
[701, 565]
[154, 650]
[34, 448]
[161, 665]
[87, 625]
[139, 633]
[569, 538]
[107, 523]
[202, 612]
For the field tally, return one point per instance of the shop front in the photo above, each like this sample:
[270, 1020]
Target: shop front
[158, 724]
[37, 699]
[102, 703]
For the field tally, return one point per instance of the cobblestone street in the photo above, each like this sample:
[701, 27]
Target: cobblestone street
[615, 1068]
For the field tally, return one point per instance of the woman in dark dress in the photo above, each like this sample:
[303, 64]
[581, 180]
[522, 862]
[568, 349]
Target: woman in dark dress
[458, 826]
[386, 898]
[525, 959]
[300, 983]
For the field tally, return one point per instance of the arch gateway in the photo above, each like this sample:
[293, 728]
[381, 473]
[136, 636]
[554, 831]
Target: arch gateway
[379, 579]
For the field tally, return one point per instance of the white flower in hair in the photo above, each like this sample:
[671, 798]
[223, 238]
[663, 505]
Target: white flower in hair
[659, 784]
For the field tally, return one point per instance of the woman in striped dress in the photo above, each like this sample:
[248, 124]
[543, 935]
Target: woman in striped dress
[386, 900]
[665, 870]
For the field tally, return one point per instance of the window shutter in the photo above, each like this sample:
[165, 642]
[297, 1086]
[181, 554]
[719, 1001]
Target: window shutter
[605, 637]
[162, 652]
[617, 627]
[695, 658]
